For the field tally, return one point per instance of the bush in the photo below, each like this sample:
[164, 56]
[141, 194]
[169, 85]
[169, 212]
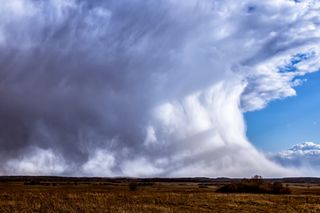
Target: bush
[278, 188]
[254, 185]
[133, 186]
[203, 185]
[32, 182]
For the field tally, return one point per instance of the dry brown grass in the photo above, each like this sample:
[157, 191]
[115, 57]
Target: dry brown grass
[159, 197]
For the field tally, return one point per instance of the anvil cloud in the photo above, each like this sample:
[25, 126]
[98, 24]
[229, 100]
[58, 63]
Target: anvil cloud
[146, 88]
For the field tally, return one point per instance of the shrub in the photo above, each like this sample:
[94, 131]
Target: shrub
[277, 188]
[254, 185]
[133, 186]
[32, 182]
[203, 185]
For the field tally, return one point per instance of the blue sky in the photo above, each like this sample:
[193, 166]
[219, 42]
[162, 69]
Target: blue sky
[289, 121]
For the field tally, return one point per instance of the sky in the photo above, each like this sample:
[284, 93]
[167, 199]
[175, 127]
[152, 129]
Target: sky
[164, 88]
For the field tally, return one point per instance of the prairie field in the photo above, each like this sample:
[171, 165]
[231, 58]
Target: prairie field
[126, 195]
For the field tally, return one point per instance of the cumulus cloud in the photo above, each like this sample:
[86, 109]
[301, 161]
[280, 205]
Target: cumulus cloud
[305, 156]
[37, 162]
[146, 88]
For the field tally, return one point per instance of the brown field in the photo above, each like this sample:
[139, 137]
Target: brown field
[155, 195]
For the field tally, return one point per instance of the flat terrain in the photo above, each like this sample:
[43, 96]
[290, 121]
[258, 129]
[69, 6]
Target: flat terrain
[54, 194]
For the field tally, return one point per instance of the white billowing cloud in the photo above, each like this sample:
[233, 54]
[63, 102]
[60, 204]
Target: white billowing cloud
[276, 78]
[140, 167]
[292, 30]
[37, 162]
[136, 88]
[100, 163]
[305, 157]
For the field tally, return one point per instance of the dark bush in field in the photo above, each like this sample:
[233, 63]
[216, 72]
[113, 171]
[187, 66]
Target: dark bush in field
[32, 182]
[133, 186]
[203, 185]
[255, 185]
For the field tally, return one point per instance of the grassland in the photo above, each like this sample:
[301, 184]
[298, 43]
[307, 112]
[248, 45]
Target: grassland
[132, 195]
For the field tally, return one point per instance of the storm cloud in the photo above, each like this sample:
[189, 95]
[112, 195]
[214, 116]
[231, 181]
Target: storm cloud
[146, 88]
